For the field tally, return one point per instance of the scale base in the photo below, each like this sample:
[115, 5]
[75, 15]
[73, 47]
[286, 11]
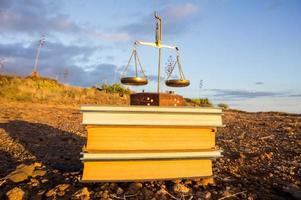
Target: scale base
[156, 99]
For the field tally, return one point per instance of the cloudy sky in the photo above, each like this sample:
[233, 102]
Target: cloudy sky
[248, 53]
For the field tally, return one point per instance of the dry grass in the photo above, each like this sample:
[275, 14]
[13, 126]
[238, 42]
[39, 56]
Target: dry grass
[44, 90]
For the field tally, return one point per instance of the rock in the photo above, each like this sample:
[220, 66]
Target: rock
[147, 193]
[15, 194]
[38, 172]
[17, 176]
[38, 196]
[37, 164]
[113, 186]
[27, 169]
[207, 195]
[227, 193]
[82, 194]
[58, 190]
[34, 182]
[188, 182]
[206, 182]
[105, 194]
[23, 172]
[50, 193]
[119, 191]
[60, 193]
[161, 194]
[62, 187]
[135, 187]
[44, 180]
[180, 188]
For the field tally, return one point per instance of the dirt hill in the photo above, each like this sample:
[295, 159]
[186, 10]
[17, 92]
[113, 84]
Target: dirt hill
[44, 90]
[40, 146]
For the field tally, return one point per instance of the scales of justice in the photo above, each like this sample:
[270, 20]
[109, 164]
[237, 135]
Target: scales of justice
[155, 99]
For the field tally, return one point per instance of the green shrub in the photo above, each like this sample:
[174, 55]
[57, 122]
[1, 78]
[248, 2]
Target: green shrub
[203, 102]
[223, 105]
[115, 88]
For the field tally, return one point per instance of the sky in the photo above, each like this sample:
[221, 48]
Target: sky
[247, 53]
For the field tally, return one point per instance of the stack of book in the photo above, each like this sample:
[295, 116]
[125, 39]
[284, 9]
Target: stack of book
[127, 143]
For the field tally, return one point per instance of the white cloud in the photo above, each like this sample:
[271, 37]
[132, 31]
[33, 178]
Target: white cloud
[181, 12]
[109, 36]
[282, 104]
[38, 17]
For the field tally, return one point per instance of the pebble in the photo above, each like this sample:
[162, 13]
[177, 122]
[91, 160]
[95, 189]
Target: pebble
[82, 194]
[50, 193]
[17, 176]
[23, 172]
[206, 182]
[207, 195]
[38, 172]
[135, 187]
[119, 191]
[180, 188]
[15, 194]
[62, 187]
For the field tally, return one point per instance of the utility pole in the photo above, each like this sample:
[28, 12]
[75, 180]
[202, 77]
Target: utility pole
[2, 61]
[35, 68]
[200, 88]
[65, 75]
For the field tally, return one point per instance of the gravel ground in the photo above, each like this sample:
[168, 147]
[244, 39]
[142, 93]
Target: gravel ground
[262, 158]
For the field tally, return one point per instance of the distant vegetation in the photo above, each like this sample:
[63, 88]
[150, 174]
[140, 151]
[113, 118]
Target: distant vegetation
[115, 88]
[223, 105]
[44, 90]
[203, 102]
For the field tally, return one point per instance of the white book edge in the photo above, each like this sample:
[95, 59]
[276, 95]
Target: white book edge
[191, 110]
[150, 155]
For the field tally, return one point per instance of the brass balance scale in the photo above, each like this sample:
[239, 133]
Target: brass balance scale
[142, 80]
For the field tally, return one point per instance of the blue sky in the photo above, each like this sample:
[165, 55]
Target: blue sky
[246, 52]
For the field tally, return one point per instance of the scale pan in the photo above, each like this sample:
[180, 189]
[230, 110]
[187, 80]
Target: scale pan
[177, 83]
[134, 81]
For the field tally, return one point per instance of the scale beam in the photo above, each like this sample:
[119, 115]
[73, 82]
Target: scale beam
[153, 44]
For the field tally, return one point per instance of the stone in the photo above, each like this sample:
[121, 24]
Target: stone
[27, 169]
[147, 193]
[226, 193]
[58, 190]
[206, 182]
[37, 164]
[62, 187]
[135, 187]
[82, 194]
[17, 176]
[23, 172]
[15, 194]
[38, 172]
[34, 182]
[207, 195]
[60, 193]
[50, 193]
[105, 194]
[44, 180]
[180, 188]
[119, 191]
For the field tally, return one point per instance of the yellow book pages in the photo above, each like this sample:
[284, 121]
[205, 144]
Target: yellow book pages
[145, 170]
[145, 138]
